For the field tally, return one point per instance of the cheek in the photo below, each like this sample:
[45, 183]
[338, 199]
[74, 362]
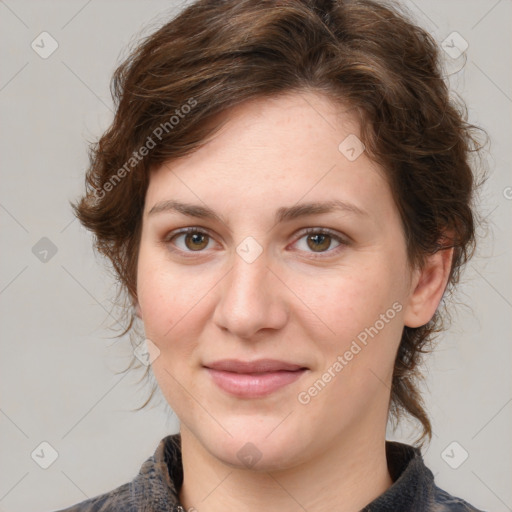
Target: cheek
[363, 310]
[164, 295]
[170, 309]
[353, 301]
[157, 302]
[163, 298]
[365, 313]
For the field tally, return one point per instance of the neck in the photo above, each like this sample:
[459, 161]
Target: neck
[345, 478]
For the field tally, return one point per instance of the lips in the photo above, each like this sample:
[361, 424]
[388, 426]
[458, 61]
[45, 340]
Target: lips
[253, 379]
[259, 366]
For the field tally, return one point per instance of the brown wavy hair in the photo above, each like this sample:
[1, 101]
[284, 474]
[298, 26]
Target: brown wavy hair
[367, 54]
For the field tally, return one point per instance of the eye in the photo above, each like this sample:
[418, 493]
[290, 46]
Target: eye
[313, 240]
[319, 240]
[190, 240]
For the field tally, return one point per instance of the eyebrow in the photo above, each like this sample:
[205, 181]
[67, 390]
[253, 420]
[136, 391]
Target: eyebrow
[283, 214]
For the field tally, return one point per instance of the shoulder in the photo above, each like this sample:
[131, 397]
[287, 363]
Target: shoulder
[118, 499]
[154, 488]
[445, 502]
[414, 487]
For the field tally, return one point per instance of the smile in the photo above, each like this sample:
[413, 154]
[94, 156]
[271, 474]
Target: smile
[253, 379]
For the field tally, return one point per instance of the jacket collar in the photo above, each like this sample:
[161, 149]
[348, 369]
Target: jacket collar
[413, 483]
[156, 487]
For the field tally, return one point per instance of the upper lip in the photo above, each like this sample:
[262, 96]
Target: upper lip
[259, 366]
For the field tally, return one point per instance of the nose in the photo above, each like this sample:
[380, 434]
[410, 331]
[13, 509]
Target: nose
[252, 298]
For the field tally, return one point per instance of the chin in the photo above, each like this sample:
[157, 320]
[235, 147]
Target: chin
[254, 449]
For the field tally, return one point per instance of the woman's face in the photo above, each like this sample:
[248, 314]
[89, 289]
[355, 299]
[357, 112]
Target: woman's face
[277, 322]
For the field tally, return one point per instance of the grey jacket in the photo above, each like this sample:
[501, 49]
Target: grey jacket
[156, 487]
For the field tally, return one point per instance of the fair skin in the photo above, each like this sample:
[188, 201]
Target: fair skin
[303, 300]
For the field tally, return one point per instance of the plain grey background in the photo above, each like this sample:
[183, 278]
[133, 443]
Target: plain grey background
[58, 361]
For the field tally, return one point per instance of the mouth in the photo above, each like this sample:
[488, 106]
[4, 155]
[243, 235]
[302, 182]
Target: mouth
[253, 379]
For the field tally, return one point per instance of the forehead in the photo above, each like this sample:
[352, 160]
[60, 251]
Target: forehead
[276, 150]
[281, 125]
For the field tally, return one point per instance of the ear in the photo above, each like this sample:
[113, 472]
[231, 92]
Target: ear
[427, 287]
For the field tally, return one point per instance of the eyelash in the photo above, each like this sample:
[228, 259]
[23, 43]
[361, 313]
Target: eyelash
[306, 232]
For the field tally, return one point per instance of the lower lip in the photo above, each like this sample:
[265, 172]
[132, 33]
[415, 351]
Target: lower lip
[253, 385]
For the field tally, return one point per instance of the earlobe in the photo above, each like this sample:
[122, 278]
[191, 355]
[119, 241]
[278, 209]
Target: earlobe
[428, 286]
